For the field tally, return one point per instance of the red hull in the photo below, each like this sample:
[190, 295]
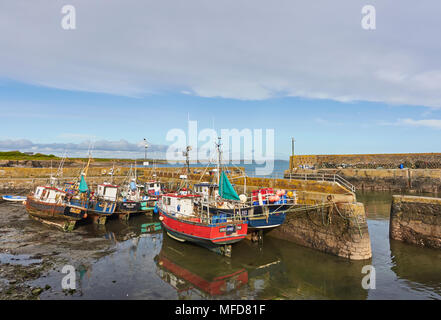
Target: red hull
[214, 287]
[194, 231]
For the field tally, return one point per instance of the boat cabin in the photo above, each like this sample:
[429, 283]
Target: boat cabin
[132, 191]
[49, 194]
[207, 191]
[178, 204]
[153, 187]
[107, 191]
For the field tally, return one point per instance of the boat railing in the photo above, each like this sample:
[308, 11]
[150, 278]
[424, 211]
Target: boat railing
[207, 217]
[250, 202]
[267, 201]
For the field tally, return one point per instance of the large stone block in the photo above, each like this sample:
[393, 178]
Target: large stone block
[416, 220]
[340, 230]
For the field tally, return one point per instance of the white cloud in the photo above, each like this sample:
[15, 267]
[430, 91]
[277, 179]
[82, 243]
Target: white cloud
[430, 123]
[100, 148]
[248, 49]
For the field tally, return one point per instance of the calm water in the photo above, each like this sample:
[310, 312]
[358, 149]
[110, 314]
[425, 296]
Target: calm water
[153, 266]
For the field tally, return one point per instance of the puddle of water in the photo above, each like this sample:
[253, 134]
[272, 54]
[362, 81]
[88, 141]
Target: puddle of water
[19, 259]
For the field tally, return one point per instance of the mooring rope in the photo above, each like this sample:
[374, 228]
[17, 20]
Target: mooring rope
[321, 207]
[353, 218]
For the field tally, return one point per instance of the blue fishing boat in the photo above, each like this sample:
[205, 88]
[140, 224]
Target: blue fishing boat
[12, 198]
[99, 205]
[265, 210]
[134, 198]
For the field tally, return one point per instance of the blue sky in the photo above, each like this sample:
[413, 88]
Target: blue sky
[133, 70]
[44, 115]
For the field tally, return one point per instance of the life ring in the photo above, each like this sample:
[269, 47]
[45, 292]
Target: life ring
[220, 203]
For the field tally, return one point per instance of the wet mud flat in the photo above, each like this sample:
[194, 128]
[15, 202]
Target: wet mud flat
[30, 250]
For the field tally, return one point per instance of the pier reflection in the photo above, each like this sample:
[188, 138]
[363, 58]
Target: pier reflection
[419, 267]
[315, 275]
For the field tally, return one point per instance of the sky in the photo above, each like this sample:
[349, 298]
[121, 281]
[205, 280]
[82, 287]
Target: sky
[138, 69]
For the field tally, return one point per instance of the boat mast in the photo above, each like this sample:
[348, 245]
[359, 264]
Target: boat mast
[113, 171]
[51, 178]
[136, 173]
[187, 158]
[86, 169]
[186, 153]
[60, 167]
[219, 159]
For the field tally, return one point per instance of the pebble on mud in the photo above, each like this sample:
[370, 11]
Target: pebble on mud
[37, 291]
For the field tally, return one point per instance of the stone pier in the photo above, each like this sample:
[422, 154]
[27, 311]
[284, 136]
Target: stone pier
[416, 220]
[421, 172]
[339, 229]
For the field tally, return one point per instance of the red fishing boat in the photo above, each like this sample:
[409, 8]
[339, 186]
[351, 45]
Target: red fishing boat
[186, 220]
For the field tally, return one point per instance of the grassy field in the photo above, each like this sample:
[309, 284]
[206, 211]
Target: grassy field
[17, 155]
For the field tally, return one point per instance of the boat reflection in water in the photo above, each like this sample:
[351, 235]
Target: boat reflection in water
[278, 270]
[181, 266]
[194, 273]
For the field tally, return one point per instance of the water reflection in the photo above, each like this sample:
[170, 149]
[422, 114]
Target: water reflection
[377, 204]
[194, 276]
[307, 274]
[419, 266]
[279, 270]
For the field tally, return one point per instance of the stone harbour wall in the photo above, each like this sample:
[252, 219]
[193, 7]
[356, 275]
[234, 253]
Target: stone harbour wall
[369, 161]
[17, 178]
[340, 230]
[416, 220]
[420, 180]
